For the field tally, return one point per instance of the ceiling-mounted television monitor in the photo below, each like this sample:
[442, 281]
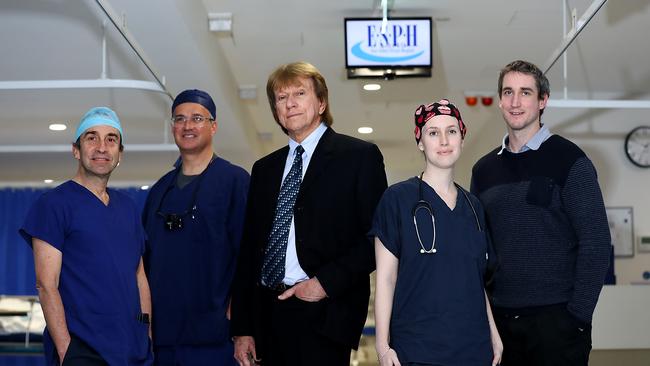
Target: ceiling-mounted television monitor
[404, 49]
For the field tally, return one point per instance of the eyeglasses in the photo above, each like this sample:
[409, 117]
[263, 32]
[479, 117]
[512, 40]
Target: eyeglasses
[196, 119]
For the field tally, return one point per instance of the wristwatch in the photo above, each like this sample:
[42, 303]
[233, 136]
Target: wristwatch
[144, 318]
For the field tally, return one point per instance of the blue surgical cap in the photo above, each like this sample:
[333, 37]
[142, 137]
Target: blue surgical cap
[196, 96]
[98, 116]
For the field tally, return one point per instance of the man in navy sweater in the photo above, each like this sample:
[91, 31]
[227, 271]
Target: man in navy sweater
[549, 227]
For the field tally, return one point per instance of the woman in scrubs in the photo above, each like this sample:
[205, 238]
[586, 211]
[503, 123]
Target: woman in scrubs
[432, 254]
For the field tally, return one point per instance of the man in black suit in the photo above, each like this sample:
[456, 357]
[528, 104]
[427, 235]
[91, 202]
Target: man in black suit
[301, 289]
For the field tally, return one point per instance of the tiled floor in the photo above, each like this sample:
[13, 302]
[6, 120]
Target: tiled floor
[366, 356]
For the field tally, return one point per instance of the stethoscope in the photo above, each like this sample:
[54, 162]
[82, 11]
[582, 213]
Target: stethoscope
[174, 221]
[424, 205]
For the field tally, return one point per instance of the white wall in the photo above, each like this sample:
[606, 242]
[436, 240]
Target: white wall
[621, 320]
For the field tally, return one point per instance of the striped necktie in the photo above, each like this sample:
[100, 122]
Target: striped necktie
[276, 250]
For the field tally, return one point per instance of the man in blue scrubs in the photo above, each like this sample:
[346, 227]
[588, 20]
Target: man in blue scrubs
[88, 244]
[193, 218]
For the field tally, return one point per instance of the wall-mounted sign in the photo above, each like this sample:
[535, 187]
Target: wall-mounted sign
[621, 229]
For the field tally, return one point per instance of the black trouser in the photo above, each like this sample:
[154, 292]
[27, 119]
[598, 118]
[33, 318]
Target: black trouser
[79, 353]
[543, 336]
[290, 337]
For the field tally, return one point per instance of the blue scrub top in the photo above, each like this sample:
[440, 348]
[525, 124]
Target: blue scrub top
[190, 270]
[439, 314]
[101, 247]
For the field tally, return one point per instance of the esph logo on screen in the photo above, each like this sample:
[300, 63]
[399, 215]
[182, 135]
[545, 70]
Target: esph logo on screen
[398, 44]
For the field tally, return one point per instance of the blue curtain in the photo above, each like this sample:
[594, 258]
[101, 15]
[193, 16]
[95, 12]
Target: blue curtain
[16, 261]
[19, 360]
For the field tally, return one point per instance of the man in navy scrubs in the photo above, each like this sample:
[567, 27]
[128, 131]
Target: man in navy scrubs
[193, 218]
[88, 244]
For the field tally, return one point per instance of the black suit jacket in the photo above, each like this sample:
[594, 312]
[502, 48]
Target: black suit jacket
[333, 213]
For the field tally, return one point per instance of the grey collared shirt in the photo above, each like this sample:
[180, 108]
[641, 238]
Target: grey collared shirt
[533, 144]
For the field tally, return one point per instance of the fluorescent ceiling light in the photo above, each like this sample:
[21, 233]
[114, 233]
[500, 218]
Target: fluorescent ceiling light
[58, 127]
[371, 87]
[248, 92]
[66, 148]
[365, 130]
[48, 181]
[220, 22]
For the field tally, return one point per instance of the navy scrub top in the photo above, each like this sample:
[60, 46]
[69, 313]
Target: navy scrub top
[439, 315]
[190, 270]
[101, 246]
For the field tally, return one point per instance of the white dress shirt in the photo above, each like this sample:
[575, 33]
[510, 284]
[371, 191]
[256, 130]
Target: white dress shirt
[293, 273]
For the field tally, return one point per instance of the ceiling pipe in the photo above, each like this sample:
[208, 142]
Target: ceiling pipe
[82, 84]
[68, 148]
[592, 103]
[110, 13]
[384, 16]
[573, 33]
[103, 82]
[577, 27]
[40, 184]
[564, 55]
[104, 74]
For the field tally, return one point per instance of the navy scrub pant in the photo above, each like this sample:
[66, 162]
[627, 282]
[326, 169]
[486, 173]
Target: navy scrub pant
[79, 353]
[189, 355]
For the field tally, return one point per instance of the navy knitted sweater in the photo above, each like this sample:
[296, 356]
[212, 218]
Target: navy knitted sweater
[548, 224]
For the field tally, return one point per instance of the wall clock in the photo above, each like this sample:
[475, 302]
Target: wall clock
[637, 146]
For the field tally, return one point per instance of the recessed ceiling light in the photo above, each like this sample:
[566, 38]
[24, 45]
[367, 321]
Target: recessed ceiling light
[48, 181]
[365, 130]
[58, 127]
[144, 187]
[371, 87]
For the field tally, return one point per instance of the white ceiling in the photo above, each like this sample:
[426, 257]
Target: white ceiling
[472, 40]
